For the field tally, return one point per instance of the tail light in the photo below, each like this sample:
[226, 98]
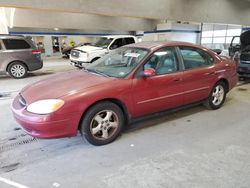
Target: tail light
[36, 51]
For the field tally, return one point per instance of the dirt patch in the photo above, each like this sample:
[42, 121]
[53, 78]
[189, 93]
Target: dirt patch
[242, 89]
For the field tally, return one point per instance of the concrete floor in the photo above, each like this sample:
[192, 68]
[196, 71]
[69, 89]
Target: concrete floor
[190, 148]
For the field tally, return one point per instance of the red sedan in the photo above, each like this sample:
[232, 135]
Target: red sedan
[129, 82]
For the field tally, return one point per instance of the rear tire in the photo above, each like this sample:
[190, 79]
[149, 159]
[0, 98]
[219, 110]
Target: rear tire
[217, 96]
[17, 70]
[102, 123]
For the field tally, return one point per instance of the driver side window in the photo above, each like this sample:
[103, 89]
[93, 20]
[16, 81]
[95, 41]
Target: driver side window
[164, 61]
[116, 44]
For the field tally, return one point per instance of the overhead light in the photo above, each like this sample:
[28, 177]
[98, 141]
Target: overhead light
[56, 29]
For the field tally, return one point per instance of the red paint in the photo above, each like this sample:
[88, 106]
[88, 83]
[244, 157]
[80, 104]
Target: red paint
[140, 96]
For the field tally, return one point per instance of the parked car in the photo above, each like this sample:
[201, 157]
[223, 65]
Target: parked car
[18, 55]
[66, 51]
[240, 50]
[132, 81]
[90, 53]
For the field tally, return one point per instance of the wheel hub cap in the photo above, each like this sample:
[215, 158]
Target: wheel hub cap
[104, 124]
[17, 70]
[218, 95]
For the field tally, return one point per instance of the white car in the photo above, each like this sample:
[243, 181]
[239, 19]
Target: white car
[90, 53]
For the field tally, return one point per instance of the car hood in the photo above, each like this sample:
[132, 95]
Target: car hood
[89, 48]
[245, 39]
[61, 85]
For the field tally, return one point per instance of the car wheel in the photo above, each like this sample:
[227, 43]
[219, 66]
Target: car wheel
[217, 96]
[17, 70]
[102, 123]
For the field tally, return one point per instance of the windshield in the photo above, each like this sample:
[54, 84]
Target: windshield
[118, 63]
[103, 42]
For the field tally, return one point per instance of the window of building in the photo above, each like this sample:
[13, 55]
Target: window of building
[219, 34]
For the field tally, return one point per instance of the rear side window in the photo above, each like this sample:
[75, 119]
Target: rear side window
[129, 40]
[15, 44]
[195, 58]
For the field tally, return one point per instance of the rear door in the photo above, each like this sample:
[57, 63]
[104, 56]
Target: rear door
[162, 91]
[198, 75]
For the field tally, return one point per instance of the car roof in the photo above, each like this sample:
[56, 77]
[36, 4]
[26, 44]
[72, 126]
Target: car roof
[157, 44]
[118, 36]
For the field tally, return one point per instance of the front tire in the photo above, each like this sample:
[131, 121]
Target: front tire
[17, 70]
[217, 96]
[102, 123]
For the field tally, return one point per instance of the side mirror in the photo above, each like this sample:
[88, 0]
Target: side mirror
[148, 72]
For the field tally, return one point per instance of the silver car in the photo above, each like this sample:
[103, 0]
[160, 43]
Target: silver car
[18, 55]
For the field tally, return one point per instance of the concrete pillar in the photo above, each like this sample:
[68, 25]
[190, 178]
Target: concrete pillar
[3, 22]
[48, 45]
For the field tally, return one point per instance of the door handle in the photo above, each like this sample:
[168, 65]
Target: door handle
[177, 79]
[209, 73]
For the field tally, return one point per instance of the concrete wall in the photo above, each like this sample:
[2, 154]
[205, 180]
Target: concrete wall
[172, 31]
[186, 32]
[48, 45]
[3, 22]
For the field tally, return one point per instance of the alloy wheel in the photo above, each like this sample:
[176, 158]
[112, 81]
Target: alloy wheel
[17, 70]
[104, 124]
[218, 95]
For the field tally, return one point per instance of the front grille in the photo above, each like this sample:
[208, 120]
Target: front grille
[245, 57]
[245, 62]
[75, 53]
[22, 101]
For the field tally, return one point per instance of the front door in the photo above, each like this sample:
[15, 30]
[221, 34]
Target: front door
[162, 91]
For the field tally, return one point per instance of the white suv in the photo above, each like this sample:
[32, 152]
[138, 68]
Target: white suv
[90, 53]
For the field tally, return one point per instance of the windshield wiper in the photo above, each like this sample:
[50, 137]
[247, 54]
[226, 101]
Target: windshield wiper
[97, 72]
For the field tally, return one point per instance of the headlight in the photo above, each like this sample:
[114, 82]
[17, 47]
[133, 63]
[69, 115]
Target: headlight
[45, 106]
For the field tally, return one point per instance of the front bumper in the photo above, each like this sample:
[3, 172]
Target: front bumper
[78, 64]
[244, 69]
[44, 126]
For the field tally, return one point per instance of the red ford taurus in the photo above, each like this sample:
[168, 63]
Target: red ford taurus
[129, 82]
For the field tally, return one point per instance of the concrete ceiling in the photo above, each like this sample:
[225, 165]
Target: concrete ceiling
[129, 14]
[51, 19]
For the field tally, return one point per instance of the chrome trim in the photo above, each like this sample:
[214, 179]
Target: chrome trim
[22, 101]
[167, 96]
[245, 62]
